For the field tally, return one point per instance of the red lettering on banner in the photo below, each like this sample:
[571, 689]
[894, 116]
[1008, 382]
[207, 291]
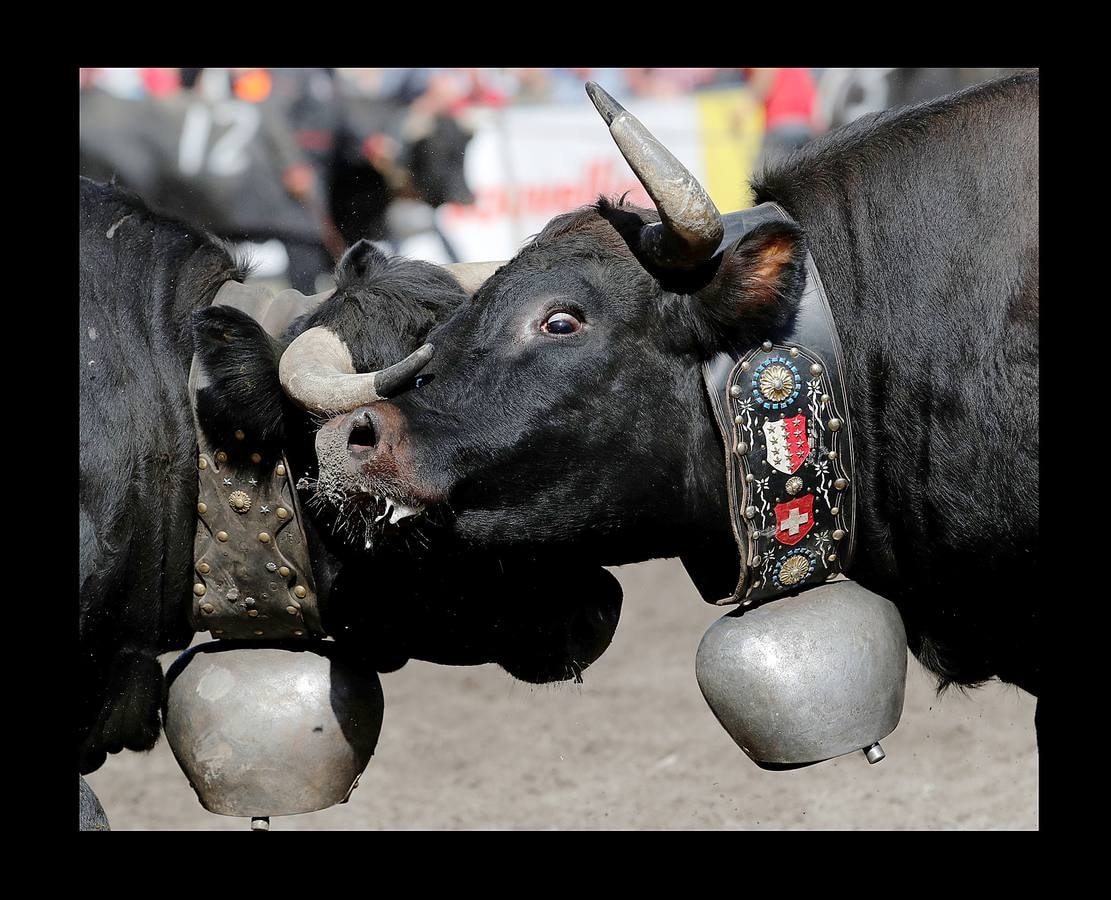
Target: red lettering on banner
[597, 177]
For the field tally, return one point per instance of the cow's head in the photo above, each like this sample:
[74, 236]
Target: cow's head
[389, 594]
[564, 409]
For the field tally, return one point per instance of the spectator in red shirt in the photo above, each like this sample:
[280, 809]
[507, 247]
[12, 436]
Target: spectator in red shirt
[790, 99]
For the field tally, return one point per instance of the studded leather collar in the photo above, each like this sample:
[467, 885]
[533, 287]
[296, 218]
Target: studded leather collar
[783, 415]
[253, 576]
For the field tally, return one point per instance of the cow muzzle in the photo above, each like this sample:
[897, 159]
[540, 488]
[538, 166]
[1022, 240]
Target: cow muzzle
[364, 457]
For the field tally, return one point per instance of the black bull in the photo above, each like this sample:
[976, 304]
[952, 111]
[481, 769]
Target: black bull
[564, 412]
[146, 285]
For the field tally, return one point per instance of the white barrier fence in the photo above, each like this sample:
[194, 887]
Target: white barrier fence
[528, 164]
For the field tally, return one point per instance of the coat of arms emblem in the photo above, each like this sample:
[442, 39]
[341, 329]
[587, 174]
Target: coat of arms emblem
[794, 519]
[787, 443]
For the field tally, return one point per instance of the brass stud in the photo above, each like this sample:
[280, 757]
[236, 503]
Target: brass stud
[749, 478]
[756, 560]
[221, 535]
[264, 537]
[239, 435]
[292, 610]
[816, 370]
[744, 366]
[259, 633]
[256, 458]
[738, 420]
[300, 591]
[204, 568]
[284, 571]
[221, 457]
[838, 534]
[794, 351]
[832, 454]
[834, 424]
[756, 585]
[240, 501]
[750, 512]
[747, 602]
[281, 512]
[217, 630]
[835, 510]
[825, 398]
[767, 345]
[252, 613]
[202, 463]
[199, 589]
[832, 557]
[841, 483]
[298, 632]
[735, 390]
[280, 469]
[202, 508]
[742, 448]
[208, 609]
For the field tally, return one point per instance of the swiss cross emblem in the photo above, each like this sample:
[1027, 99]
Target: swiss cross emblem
[794, 519]
[788, 445]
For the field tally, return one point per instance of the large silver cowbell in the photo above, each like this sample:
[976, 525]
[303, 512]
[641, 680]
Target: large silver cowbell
[270, 729]
[806, 678]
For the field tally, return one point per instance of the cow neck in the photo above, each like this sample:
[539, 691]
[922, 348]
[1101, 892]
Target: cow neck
[782, 413]
[253, 576]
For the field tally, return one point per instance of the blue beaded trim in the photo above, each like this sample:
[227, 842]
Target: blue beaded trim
[764, 402]
[797, 551]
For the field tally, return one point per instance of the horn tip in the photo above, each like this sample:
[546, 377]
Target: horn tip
[607, 107]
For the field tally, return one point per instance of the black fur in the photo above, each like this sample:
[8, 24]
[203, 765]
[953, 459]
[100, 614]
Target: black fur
[924, 224]
[145, 293]
[140, 279]
[244, 394]
[598, 445]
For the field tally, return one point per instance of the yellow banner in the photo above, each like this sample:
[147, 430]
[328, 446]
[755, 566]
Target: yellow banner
[732, 124]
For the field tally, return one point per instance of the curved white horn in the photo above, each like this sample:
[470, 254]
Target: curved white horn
[317, 372]
[471, 275]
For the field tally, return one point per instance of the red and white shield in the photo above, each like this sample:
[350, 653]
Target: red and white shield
[794, 519]
[788, 445]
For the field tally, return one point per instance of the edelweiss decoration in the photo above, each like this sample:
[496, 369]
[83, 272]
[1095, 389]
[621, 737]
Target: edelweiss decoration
[783, 416]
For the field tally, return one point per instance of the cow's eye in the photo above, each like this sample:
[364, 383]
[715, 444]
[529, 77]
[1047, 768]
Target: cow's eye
[561, 323]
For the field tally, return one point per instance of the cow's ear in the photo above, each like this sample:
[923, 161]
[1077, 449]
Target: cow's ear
[361, 260]
[241, 362]
[756, 288]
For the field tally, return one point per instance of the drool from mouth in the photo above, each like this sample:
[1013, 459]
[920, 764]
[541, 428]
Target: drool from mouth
[356, 515]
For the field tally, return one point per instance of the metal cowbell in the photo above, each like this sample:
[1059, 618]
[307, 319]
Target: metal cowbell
[271, 728]
[809, 677]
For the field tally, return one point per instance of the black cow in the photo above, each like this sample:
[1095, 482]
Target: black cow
[426, 165]
[146, 289]
[564, 413]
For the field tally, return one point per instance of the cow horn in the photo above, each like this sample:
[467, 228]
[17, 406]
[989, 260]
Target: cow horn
[472, 275]
[690, 228]
[317, 372]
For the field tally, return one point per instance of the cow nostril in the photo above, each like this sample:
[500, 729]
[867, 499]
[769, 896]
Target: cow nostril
[363, 437]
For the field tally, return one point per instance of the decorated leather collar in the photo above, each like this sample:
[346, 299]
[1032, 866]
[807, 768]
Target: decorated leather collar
[253, 577]
[783, 415]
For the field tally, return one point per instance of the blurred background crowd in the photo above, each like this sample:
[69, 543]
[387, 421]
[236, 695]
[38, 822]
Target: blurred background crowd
[297, 164]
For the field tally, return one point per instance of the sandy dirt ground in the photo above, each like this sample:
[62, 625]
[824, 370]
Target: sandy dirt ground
[634, 747]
